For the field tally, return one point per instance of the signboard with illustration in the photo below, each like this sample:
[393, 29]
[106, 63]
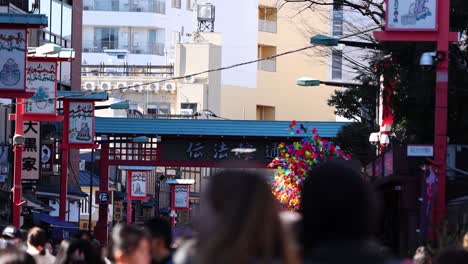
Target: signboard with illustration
[41, 80]
[138, 184]
[417, 15]
[12, 59]
[31, 151]
[81, 123]
[181, 197]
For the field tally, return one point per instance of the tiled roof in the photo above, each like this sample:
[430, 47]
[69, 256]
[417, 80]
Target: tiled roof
[207, 127]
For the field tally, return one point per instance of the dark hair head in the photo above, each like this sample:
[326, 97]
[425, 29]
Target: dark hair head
[337, 204]
[37, 238]
[78, 251]
[126, 238]
[160, 228]
[15, 256]
[452, 256]
[11, 232]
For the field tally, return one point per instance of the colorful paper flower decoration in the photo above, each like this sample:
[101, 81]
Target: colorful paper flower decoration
[296, 160]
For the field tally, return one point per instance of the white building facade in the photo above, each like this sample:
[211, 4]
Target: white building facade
[146, 30]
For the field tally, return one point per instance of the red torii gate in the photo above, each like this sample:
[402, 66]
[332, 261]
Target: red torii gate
[441, 34]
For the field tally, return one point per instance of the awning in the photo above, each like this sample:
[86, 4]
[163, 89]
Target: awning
[55, 222]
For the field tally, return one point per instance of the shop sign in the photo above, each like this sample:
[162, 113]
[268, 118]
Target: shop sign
[47, 155]
[31, 152]
[81, 123]
[12, 59]
[138, 184]
[41, 79]
[414, 15]
[103, 197]
[181, 196]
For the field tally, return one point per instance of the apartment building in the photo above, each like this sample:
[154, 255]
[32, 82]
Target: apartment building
[275, 95]
[141, 31]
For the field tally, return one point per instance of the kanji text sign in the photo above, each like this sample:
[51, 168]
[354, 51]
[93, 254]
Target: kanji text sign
[31, 151]
[12, 59]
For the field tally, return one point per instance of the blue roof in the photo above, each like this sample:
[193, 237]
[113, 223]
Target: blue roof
[85, 177]
[55, 222]
[207, 127]
[77, 95]
[31, 20]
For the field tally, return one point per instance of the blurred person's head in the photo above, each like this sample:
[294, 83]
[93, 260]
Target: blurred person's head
[422, 256]
[84, 235]
[15, 256]
[130, 245]
[465, 241]
[13, 235]
[452, 256]
[37, 238]
[240, 221]
[337, 205]
[161, 237]
[78, 251]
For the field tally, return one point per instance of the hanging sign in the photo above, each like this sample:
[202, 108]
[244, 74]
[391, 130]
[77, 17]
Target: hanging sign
[415, 15]
[13, 53]
[30, 164]
[103, 197]
[138, 185]
[4, 150]
[81, 123]
[47, 156]
[181, 197]
[41, 79]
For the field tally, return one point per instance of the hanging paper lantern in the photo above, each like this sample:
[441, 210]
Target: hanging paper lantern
[295, 160]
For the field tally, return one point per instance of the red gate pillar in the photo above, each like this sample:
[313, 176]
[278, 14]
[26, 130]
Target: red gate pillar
[18, 161]
[101, 226]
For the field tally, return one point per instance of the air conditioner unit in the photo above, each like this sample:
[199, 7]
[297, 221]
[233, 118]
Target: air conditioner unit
[170, 87]
[186, 112]
[121, 85]
[90, 86]
[105, 86]
[154, 87]
[141, 88]
[190, 79]
[136, 86]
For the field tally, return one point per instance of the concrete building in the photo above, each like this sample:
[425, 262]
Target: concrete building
[147, 30]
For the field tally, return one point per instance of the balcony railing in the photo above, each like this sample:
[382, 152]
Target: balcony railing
[152, 48]
[267, 26]
[126, 70]
[150, 6]
[267, 65]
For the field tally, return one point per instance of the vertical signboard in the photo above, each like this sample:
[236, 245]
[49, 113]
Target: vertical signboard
[41, 80]
[30, 163]
[420, 15]
[181, 197]
[47, 156]
[4, 150]
[138, 185]
[12, 59]
[81, 123]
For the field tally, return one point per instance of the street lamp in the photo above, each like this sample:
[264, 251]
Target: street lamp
[324, 40]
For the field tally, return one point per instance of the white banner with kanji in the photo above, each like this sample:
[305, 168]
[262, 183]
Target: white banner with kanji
[138, 184]
[81, 120]
[31, 151]
[12, 59]
[41, 79]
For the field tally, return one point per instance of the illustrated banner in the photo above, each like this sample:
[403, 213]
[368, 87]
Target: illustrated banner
[41, 79]
[138, 184]
[81, 120]
[30, 164]
[412, 15]
[181, 196]
[12, 59]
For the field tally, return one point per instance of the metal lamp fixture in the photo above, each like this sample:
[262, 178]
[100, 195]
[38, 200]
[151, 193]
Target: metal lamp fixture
[374, 138]
[384, 140]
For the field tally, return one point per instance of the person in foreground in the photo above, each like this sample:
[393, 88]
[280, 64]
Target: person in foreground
[161, 240]
[241, 222]
[37, 238]
[339, 216]
[130, 245]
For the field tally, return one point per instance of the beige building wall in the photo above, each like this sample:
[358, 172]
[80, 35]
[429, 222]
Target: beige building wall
[277, 96]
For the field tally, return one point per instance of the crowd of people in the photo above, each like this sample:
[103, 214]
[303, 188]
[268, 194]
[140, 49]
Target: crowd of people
[240, 222]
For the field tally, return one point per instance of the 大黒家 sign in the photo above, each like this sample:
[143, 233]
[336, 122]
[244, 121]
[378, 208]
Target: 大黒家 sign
[41, 80]
[12, 59]
[416, 15]
[31, 151]
[81, 122]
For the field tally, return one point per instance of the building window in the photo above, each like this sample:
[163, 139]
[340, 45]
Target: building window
[159, 109]
[190, 5]
[191, 106]
[337, 64]
[267, 19]
[265, 112]
[84, 207]
[337, 18]
[106, 38]
[264, 52]
[176, 4]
